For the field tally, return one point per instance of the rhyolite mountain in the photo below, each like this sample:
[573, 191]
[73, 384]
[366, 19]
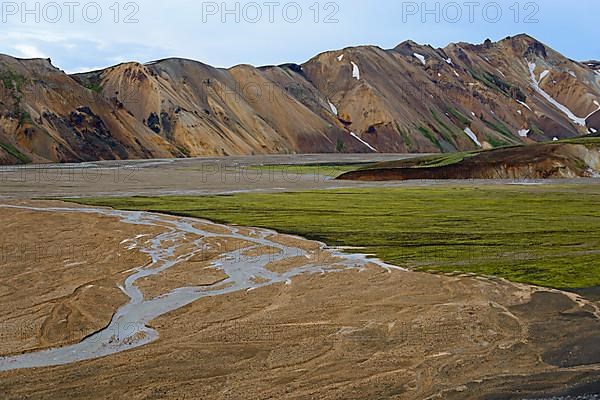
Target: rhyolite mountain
[411, 98]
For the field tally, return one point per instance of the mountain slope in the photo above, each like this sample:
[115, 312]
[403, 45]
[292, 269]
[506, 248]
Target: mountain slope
[412, 95]
[412, 98]
[210, 111]
[47, 116]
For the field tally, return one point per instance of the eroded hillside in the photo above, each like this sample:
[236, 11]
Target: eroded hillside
[412, 98]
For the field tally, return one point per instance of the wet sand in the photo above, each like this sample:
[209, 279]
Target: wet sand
[352, 331]
[59, 276]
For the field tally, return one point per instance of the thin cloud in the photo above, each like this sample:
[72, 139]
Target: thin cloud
[29, 51]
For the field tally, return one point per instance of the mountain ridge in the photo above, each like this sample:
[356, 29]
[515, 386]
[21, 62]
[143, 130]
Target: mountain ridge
[411, 98]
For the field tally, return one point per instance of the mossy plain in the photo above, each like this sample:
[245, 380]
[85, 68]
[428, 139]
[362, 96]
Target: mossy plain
[541, 235]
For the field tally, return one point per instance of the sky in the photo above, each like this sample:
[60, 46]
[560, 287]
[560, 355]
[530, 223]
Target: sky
[83, 36]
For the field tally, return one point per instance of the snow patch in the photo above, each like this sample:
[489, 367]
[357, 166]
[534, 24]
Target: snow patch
[543, 75]
[420, 57]
[536, 86]
[524, 105]
[473, 137]
[555, 139]
[595, 111]
[334, 109]
[524, 133]
[448, 61]
[456, 73]
[573, 74]
[593, 130]
[363, 142]
[340, 58]
[520, 112]
[355, 71]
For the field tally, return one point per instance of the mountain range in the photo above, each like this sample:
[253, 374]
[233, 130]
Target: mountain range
[412, 98]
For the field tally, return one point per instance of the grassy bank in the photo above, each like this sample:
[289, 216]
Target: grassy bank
[548, 235]
[443, 160]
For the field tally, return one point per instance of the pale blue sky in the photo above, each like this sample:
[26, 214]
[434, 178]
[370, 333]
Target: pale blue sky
[194, 29]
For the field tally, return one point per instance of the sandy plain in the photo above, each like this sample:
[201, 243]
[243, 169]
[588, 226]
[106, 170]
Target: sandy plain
[367, 333]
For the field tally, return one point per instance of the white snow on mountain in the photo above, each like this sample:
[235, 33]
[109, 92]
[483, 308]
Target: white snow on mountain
[334, 109]
[420, 57]
[363, 142]
[536, 86]
[524, 133]
[473, 137]
[355, 71]
[524, 104]
[595, 111]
